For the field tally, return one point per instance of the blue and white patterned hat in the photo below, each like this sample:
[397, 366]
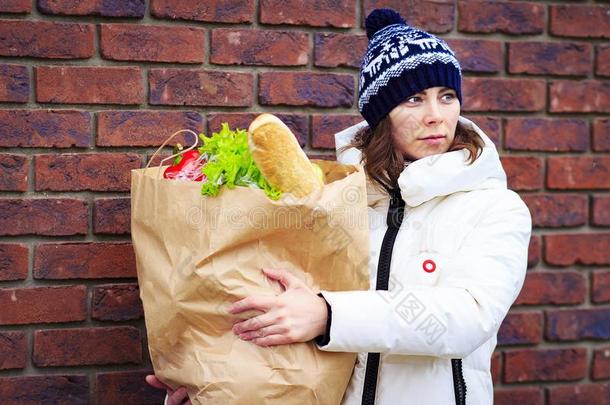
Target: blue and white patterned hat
[401, 61]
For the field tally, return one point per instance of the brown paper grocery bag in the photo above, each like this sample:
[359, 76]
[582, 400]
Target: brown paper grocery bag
[195, 255]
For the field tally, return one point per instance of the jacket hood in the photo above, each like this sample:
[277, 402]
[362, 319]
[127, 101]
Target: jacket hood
[435, 175]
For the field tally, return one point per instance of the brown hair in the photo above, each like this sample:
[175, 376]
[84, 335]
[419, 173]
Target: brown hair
[383, 164]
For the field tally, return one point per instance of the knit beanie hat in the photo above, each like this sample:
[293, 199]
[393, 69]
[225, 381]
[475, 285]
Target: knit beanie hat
[401, 61]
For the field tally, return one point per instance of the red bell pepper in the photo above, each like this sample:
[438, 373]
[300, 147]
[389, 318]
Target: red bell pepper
[187, 167]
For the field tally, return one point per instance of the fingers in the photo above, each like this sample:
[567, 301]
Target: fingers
[286, 279]
[259, 302]
[263, 332]
[255, 323]
[151, 379]
[178, 397]
[273, 340]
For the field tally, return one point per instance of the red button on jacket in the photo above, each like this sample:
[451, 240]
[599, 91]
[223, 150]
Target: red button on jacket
[429, 266]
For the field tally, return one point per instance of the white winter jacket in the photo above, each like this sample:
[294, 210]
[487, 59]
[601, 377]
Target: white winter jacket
[458, 264]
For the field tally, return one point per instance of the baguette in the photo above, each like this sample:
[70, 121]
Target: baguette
[280, 158]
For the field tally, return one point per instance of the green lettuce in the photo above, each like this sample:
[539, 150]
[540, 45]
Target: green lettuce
[230, 163]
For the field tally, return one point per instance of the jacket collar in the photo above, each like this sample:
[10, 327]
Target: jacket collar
[436, 175]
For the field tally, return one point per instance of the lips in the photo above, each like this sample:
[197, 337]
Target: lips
[434, 136]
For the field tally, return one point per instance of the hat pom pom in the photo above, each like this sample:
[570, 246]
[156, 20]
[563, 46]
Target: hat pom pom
[381, 18]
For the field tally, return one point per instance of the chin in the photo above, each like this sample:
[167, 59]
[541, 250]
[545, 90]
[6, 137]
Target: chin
[429, 152]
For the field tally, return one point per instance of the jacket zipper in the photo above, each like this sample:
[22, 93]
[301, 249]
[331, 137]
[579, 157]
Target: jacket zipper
[394, 219]
[396, 213]
[459, 385]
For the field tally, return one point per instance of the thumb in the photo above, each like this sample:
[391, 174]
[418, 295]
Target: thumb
[154, 381]
[284, 277]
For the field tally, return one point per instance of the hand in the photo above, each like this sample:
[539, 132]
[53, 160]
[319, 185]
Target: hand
[177, 397]
[295, 315]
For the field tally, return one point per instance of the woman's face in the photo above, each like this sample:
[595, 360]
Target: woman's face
[424, 124]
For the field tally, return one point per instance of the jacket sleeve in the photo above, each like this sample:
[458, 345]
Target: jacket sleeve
[323, 340]
[450, 320]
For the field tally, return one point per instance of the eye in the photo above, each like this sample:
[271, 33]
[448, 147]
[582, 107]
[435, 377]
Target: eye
[449, 96]
[415, 98]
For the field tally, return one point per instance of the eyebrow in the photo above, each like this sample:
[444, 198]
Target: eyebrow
[442, 89]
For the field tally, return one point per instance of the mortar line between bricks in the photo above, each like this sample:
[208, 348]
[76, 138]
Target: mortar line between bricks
[257, 12]
[102, 62]
[88, 320]
[94, 108]
[590, 124]
[145, 75]
[255, 90]
[103, 237]
[552, 345]
[65, 282]
[29, 365]
[90, 201]
[454, 28]
[309, 140]
[31, 172]
[76, 369]
[30, 276]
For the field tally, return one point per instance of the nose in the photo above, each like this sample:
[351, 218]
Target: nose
[433, 112]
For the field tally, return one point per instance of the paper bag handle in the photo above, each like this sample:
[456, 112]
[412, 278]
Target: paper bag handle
[175, 154]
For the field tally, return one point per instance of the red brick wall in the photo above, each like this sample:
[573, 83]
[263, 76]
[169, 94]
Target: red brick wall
[87, 91]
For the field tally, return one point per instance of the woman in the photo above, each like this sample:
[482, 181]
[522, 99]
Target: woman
[448, 240]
